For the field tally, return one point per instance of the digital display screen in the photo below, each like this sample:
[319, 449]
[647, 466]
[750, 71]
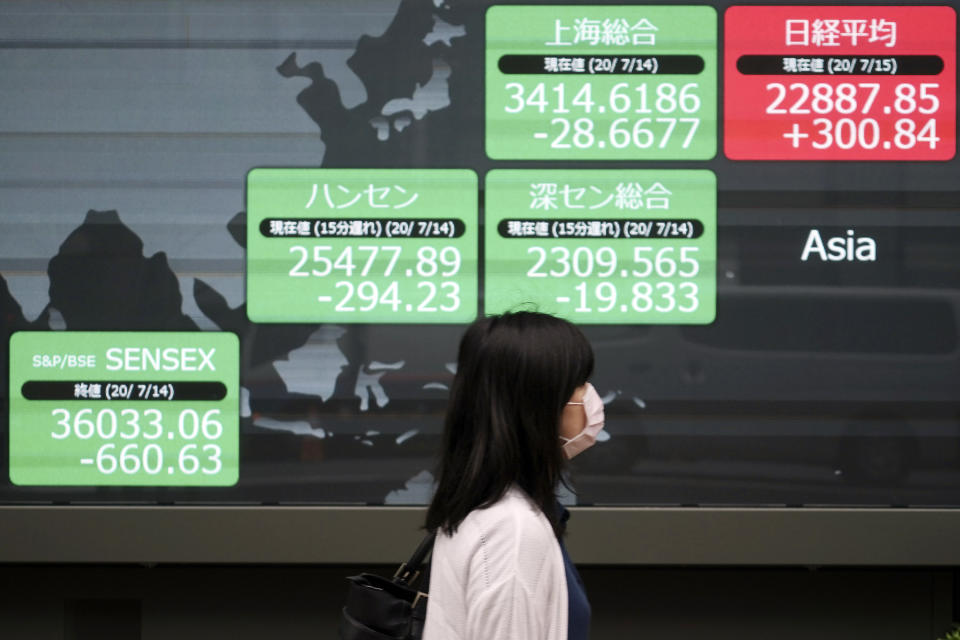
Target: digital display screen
[603, 247]
[337, 245]
[601, 82]
[118, 408]
[840, 83]
[240, 242]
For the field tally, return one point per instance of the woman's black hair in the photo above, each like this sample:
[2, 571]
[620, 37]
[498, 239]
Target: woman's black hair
[515, 373]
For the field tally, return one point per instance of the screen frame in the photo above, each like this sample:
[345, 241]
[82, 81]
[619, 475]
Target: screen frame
[624, 536]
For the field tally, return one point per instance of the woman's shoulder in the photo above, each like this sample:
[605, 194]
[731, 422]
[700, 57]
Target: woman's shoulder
[504, 562]
[512, 523]
[510, 539]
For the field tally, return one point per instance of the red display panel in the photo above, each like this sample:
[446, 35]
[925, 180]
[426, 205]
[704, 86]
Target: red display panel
[840, 83]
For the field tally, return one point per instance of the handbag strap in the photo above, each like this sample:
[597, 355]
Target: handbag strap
[410, 569]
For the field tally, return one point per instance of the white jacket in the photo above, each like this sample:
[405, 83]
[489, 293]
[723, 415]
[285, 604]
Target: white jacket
[499, 577]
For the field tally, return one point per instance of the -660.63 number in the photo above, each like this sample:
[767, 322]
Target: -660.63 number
[131, 459]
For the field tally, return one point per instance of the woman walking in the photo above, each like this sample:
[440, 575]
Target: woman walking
[520, 406]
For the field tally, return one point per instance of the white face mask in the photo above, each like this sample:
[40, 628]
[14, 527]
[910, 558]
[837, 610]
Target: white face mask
[593, 408]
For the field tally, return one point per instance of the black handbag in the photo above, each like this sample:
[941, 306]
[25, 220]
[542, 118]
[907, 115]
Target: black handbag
[379, 608]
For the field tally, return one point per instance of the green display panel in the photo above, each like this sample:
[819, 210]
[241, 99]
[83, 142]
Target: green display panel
[362, 245]
[597, 82]
[124, 408]
[603, 246]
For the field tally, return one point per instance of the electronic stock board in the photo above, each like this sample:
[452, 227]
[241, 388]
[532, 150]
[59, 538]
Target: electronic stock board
[238, 244]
